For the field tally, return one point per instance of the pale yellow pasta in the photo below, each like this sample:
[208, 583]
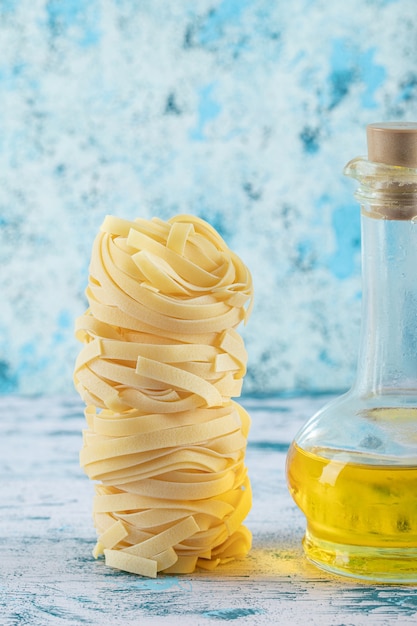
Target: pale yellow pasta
[160, 365]
[131, 563]
[113, 535]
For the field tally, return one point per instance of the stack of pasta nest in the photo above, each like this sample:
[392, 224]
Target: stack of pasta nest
[161, 363]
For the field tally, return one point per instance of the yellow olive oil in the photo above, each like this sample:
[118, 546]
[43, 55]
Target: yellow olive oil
[361, 518]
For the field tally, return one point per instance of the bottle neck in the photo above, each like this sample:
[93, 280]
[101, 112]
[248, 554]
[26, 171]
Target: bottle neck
[387, 362]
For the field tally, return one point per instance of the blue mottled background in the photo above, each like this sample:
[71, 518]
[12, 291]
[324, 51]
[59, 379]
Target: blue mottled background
[241, 111]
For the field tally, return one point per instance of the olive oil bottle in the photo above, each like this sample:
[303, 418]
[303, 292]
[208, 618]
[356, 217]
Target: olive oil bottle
[352, 469]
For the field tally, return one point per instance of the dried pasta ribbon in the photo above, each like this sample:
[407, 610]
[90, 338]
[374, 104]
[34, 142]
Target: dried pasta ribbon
[160, 365]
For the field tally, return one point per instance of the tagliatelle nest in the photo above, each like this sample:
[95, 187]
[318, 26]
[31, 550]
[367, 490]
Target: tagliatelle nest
[160, 365]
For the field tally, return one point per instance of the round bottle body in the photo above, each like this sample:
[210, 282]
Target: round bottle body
[360, 503]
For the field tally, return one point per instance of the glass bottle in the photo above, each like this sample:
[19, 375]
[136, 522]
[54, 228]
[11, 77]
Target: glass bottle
[352, 469]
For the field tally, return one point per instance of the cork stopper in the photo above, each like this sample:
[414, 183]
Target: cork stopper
[393, 143]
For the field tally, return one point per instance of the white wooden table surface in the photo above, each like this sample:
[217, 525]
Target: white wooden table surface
[48, 576]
